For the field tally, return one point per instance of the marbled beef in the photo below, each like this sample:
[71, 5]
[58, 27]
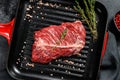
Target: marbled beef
[57, 41]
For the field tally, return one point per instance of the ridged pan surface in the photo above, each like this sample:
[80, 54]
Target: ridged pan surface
[35, 14]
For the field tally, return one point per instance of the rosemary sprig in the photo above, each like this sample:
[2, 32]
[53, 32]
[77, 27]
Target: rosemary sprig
[88, 15]
[63, 34]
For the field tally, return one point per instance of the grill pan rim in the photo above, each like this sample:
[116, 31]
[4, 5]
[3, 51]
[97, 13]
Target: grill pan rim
[11, 69]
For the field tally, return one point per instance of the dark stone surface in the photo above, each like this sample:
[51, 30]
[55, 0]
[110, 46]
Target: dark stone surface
[112, 7]
[7, 10]
[3, 59]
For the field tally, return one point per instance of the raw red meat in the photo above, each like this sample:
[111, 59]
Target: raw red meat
[58, 40]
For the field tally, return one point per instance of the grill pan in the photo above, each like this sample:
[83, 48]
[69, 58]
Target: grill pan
[36, 14]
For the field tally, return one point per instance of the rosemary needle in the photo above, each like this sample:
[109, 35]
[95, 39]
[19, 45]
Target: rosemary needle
[64, 34]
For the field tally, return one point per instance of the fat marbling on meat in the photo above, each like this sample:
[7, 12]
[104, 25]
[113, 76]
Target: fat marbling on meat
[57, 41]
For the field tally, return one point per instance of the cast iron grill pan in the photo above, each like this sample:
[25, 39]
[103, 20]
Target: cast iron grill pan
[38, 14]
[45, 14]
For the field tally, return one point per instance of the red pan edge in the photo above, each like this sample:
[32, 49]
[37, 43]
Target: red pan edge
[6, 30]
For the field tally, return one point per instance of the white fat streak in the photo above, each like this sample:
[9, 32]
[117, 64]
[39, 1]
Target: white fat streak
[78, 41]
[59, 46]
[78, 44]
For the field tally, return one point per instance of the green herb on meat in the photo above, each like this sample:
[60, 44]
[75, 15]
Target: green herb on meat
[88, 15]
[63, 34]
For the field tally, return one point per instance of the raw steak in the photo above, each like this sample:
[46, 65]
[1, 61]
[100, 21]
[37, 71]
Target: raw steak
[58, 40]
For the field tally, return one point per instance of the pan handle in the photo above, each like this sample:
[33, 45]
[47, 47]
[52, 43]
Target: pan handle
[105, 43]
[6, 30]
